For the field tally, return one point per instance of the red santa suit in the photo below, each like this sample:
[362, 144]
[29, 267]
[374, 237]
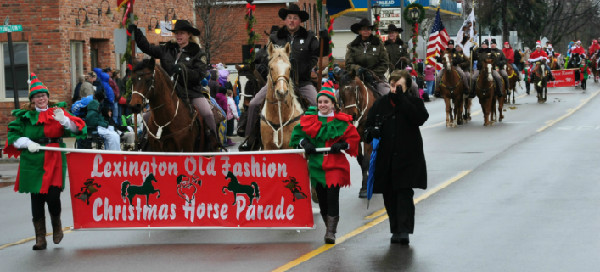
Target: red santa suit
[593, 48]
[537, 55]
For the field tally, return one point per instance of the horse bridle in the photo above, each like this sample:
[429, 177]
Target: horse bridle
[139, 78]
[356, 104]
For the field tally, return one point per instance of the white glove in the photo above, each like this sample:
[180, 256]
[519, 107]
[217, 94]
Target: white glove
[33, 147]
[59, 116]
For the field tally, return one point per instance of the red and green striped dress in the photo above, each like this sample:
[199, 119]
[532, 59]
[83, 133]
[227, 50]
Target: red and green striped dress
[38, 171]
[327, 169]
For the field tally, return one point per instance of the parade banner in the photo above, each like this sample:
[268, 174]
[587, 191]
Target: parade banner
[189, 191]
[563, 78]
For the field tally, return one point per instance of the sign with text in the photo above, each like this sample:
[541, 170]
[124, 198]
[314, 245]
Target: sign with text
[563, 78]
[11, 28]
[168, 191]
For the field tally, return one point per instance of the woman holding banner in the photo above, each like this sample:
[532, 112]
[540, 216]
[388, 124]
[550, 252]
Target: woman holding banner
[42, 173]
[327, 127]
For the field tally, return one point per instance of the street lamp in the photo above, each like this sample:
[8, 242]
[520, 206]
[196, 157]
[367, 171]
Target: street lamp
[86, 22]
[156, 27]
[174, 18]
[108, 12]
[414, 14]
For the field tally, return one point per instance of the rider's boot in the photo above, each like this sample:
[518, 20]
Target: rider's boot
[499, 90]
[472, 91]
[40, 234]
[57, 231]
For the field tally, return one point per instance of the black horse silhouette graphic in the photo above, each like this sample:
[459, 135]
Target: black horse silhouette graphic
[88, 189]
[296, 189]
[129, 191]
[186, 187]
[236, 188]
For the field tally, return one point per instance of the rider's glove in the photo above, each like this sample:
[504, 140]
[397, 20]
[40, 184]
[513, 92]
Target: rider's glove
[177, 69]
[132, 28]
[309, 148]
[337, 147]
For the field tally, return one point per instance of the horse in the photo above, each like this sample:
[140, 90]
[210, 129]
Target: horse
[540, 81]
[574, 63]
[282, 109]
[249, 82]
[356, 100]
[173, 124]
[236, 188]
[554, 63]
[485, 87]
[452, 90]
[129, 191]
[511, 85]
[402, 63]
[594, 64]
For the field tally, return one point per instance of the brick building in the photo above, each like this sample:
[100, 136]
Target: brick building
[62, 39]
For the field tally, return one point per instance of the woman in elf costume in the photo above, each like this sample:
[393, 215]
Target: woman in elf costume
[42, 173]
[327, 127]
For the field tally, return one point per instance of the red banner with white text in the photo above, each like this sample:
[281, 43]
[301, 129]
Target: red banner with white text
[563, 78]
[224, 191]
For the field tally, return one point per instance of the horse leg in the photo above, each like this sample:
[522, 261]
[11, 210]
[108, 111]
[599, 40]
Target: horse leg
[500, 108]
[157, 191]
[448, 112]
[459, 109]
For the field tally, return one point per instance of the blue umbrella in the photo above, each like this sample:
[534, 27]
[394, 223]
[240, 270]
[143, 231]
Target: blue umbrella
[371, 177]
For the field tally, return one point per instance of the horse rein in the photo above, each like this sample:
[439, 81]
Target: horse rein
[279, 130]
[355, 105]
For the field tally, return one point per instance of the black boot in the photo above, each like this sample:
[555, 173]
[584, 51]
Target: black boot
[400, 238]
[472, 92]
[57, 231]
[332, 222]
[40, 234]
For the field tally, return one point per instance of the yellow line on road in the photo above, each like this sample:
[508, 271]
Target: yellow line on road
[365, 227]
[569, 113]
[23, 241]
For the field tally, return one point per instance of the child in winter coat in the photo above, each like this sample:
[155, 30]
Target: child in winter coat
[327, 127]
[430, 78]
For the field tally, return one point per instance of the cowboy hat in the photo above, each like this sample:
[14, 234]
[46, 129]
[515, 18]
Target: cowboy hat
[185, 26]
[293, 9]
[356, 27]
[392, 27]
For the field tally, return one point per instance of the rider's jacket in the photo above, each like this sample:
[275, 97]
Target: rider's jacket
[500, 59]
[457, 57]
[369, 54]
[537, 55]
[578, 50]
[396, 50]
[480, 54]
[305, 51]
[593, 48]
[463, 62]
[192, 57]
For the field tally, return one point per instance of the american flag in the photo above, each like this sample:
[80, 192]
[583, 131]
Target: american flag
[438, 41]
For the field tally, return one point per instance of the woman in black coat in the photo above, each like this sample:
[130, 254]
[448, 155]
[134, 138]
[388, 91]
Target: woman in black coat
[395, 119]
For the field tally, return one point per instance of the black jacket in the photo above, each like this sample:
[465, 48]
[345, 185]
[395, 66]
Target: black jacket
[400, 159]
[192, 57]
[305, 51]
[395, 50]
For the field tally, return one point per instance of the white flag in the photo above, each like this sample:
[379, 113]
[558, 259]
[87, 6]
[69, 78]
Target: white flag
[467, 26]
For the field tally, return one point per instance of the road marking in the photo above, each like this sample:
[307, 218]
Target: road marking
[23, 241]
[569, 113]
[366, 226]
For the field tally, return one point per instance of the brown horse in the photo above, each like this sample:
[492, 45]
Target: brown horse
[452, 90]
[511, 85]
[356, 100]
[171, 126]
[594, 64]
[540, 81]
[282, 109]
[485, 87]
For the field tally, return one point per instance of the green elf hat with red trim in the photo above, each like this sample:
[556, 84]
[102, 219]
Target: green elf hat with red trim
[327, 90]
[36, 86]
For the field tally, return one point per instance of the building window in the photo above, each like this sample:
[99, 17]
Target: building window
[21, 62]
[76, 62]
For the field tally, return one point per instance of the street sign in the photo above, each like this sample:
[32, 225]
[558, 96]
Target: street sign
[11, 28]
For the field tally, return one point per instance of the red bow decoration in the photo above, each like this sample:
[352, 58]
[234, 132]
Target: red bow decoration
[250, 6]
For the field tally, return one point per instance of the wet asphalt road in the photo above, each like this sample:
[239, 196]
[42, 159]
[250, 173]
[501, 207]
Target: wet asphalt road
[519, 196]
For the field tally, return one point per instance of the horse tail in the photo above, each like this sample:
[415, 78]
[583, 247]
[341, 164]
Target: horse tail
[256, 192]
[124, 186]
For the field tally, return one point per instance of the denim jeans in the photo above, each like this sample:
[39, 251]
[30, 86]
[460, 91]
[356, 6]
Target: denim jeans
[430, 86]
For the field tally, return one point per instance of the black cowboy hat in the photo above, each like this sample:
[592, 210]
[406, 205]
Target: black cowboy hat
[392, 27]
[493, 41]
[451, 42]
[356, 27]
[185, 26]
[293, 9]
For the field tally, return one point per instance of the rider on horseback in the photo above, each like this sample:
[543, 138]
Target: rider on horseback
[456, 60]
[500, 61]
[182, 59]
[303, 57]
[481, 55]
[366, 55]
[395, 47]
[536, 56]
[510, 55]
[593, 50]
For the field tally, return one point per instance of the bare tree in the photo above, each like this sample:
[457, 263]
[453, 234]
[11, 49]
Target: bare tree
[216, 17]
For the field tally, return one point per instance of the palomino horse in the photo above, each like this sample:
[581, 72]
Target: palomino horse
[282, 109]
[171, 126]
[452, 90]
[485, 87]
[511, 85]
[356, 100]
[540, 81]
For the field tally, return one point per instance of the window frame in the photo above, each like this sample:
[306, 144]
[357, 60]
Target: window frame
[3, 90]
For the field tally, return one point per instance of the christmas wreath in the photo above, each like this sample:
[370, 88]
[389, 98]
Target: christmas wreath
[407, 16]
